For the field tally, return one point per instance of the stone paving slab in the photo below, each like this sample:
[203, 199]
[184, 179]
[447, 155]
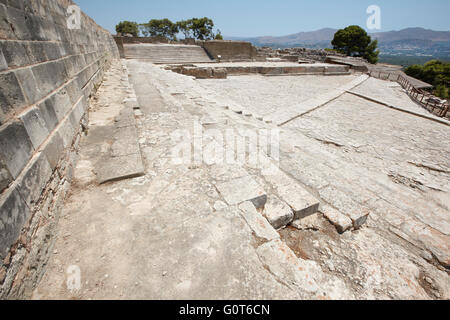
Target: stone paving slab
[242, 189]
[118, 168]
[257, 222]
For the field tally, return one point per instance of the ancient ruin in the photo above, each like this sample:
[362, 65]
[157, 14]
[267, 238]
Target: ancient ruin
[135, 169]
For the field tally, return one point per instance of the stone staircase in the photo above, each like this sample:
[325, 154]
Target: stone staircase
[166, 53]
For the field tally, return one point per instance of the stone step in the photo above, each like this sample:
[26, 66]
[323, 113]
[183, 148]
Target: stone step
[167, 53]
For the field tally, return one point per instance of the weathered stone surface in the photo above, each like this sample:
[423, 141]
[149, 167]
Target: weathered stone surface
[35, 125]
[311, 222]
[49, 76]
[5, 176]
[61, 103]
[277, 212]
[29, 85]
[339, 220]
[14, 53]
[359, 216]
[220, 73]
[11, 96]
[243, 189]
[13, 214]
[283, 263]
[301, 201]
[34, 178]
[66, 132]
[15, 147]
[3, 64]
[54, 149]
[257, 223]
[118, 168]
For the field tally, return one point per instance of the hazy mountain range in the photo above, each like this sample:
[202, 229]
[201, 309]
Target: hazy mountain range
[410, 41]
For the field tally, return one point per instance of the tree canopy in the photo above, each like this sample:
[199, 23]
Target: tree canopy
[354, 41]
[127, 27]
[198, 28]
[160, 28]
[202, 28]
[434, 72]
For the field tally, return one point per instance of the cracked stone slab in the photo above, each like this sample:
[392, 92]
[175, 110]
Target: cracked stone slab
[257, 223]
[285, 265]
[309, 223]
[277, 212]
[300, 200]
[119, 168]
[359, 216]
[243, 189]
[339, 220]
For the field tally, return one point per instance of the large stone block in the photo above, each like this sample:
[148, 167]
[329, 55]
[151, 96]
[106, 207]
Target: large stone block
[50, 75]
[35, 125]
[48, 113]
[11, 96]
[5, 176]
[36, 52]
[67, 132]
[278, 213]
[15, 147]
[61, 103]
[34, 178]
[257, 222]
[54, 149]
[74, 91]
[15, 53]
[3, 63]
[243, 189]
[300, 200]
[6, 31]
[29, 85]
[13, 214]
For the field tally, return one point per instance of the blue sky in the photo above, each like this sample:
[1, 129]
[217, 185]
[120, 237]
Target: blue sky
[273, 17]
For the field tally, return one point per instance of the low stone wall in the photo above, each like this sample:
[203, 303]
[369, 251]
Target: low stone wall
[47, 74]
[230, 50]
[223, 72]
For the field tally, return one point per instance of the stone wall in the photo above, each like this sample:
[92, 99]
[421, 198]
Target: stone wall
[47, 74]
[230, 50]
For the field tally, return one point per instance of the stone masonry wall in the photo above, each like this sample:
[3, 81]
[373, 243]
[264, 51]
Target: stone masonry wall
[230, 50]
[47, 74]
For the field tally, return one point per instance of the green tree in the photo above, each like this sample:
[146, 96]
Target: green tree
[434, 72]
[160, 28]
[185, 27]
[202, 28]
[218, 35]
[127, 27]
[354, 41]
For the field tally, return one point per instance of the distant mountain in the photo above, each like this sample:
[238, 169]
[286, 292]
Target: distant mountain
[410, 41]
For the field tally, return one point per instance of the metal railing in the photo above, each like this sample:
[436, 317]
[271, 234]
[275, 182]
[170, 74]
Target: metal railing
[428, 101]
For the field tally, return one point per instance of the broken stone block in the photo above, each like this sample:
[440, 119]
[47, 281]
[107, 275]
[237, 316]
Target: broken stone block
[301, 201]
[257, 223]
[278, 213]
[220, 73]
[339, 220]
[359, 217]
[309, 223]
[243, 189]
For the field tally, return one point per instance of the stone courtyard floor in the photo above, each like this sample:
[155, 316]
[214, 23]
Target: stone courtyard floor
[174, 231]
